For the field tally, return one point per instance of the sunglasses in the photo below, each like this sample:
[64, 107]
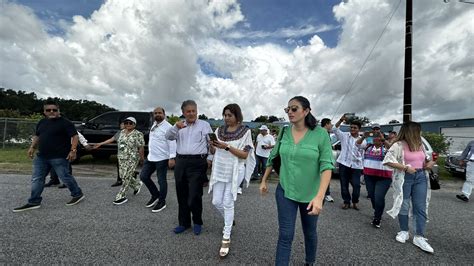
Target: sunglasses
[291, 108]
[50, 110]
[128, 123]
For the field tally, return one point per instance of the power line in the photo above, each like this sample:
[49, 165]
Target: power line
[366, 59]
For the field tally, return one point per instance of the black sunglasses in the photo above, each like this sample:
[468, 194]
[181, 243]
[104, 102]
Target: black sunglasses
[128, 123]
[292, 108]
[50, 110]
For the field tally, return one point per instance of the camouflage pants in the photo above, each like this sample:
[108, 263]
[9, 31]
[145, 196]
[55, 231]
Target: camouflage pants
[127, 169]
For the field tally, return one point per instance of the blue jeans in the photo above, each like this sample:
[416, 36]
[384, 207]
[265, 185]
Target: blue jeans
[416, 188]
[377, 188]
[161, 169]
[41, 168]
[260, 165]
[287, 210]
[349, 175]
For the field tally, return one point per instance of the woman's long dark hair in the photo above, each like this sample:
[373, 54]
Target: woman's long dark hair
[309, 120]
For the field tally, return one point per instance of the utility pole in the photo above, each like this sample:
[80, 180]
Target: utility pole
[408, 59]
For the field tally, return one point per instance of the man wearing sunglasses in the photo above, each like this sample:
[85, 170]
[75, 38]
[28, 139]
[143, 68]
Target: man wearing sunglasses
[56, 139]
[350, 162]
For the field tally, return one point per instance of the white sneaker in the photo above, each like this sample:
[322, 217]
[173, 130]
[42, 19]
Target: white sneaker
[135, 192]
[420, 242]
[403, 236]
[328, 198]
[239, 191]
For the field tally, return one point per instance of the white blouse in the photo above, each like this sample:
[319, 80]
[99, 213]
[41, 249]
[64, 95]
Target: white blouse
[226, 166]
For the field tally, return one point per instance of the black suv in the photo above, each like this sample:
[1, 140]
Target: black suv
[104, 126]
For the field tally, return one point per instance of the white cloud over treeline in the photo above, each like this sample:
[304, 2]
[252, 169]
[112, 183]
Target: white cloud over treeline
[135, 55]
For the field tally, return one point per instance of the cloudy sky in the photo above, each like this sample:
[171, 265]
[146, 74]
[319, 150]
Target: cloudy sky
[137, 54]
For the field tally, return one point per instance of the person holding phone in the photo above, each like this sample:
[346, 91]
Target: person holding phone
[233, 162]
[377, 176]
[350, 162]
[407, 158]
[263, 146]
[306, 166]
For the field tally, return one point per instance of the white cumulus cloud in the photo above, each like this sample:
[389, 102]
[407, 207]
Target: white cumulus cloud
[135, 55]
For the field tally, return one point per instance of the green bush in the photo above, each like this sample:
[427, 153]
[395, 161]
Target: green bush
[438, 142]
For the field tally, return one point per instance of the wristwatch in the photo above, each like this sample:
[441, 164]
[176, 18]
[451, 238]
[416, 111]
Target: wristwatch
[227, 148]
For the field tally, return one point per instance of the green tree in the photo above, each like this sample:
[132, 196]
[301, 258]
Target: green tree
[203, 117]
[362, 119]
[272, 119]
[261, 119]
[438, 142]
[394, 121]
[172, 119]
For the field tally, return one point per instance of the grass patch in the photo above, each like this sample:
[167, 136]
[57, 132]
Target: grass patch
[15, 160]
[443, 173]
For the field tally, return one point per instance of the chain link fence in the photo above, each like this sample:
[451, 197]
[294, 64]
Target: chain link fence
[16, 132]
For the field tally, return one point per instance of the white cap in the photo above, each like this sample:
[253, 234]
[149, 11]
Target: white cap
[263, 127]
[130, 118]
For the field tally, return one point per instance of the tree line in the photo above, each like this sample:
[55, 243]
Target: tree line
[22, 104]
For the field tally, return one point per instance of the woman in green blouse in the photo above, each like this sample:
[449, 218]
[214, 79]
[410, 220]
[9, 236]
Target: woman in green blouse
[305, 172]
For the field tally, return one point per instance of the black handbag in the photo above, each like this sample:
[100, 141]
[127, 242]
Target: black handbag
[276, 162]
[434, 183]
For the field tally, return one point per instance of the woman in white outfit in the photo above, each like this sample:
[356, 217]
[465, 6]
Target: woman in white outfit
[233, 162]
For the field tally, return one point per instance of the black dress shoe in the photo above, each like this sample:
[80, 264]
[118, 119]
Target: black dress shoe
[51, 184]
[462, 197]
[117, 184]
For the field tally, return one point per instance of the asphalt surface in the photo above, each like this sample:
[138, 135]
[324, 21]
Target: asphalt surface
[97, 232]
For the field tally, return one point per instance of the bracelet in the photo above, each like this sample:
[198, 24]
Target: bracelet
[227, 148]
[74, 150]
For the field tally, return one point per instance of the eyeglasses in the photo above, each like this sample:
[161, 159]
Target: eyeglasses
[291, 108]
[128, 123]
[50, 110]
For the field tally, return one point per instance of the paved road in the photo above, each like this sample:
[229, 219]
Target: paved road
[96, 231]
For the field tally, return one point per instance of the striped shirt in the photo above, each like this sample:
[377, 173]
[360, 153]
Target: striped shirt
[373, 162]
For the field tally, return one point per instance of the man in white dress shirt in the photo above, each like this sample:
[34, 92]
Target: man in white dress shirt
[350, 163]
[161, 154]
[192, 149]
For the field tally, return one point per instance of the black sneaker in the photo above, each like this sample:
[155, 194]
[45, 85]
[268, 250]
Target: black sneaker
[75, 200]
[51, 183]
[120, 201]
[152, 202]
[159, 206]
[27, 207]
[376, 223]
[117, 184]
[462, 197]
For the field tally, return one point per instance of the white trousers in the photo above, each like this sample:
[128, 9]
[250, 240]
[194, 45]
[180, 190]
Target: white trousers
[467, 187]
[223, 200]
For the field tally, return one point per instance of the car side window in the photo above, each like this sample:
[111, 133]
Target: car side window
[107, 121]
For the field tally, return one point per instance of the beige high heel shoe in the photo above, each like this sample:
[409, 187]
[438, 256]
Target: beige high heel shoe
[225, 245]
